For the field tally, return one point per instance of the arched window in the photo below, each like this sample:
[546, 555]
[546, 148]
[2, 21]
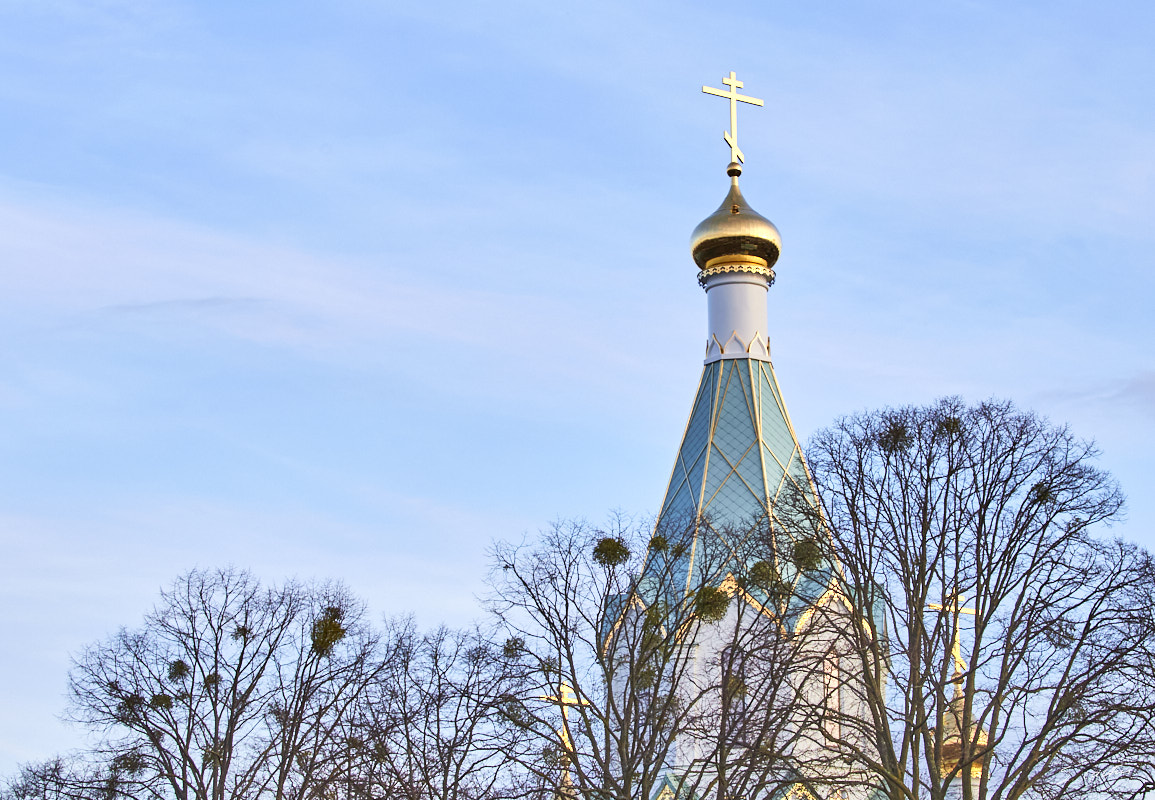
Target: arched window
[832, 695]
[734, 692]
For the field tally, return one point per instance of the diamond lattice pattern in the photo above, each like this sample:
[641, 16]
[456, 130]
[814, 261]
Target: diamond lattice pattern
[738, 453]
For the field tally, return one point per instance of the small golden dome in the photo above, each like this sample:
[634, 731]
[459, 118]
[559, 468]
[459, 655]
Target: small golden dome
[952, 740]
[735, 229]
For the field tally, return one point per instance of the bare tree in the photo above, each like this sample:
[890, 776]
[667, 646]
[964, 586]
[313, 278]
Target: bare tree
[67, 779]
[436, 724]
[1008, 649]
[642, 674]
[228, 690]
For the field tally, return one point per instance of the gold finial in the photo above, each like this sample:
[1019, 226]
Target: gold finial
[731, 136]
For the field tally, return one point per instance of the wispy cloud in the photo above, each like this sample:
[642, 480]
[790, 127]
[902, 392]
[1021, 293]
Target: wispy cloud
[127, 274]
[180, 305]
[1134, 394]
[62, 263]
[1138, 392]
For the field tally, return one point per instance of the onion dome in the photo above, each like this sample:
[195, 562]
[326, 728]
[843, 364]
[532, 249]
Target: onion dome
[952, 741]
[735, 237]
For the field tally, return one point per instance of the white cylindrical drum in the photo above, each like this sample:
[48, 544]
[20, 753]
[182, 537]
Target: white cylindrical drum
[736, 304]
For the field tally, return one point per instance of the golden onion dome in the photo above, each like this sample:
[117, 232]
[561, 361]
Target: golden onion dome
[952, 740]
[735, 231]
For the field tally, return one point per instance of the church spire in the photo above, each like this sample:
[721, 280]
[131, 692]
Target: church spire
[739, 455]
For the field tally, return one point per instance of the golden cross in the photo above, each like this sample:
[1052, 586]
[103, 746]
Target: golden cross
[731, 136]
[565, 698]
[955, 609]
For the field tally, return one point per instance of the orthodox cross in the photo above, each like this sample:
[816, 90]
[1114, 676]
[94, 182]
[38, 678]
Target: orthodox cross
[731, 136]
[955, 609]
[565, 698]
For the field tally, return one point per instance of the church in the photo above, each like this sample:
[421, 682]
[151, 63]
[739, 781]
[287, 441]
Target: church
[732, 664]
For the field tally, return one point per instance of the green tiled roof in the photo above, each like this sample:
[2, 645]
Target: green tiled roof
[739, 457]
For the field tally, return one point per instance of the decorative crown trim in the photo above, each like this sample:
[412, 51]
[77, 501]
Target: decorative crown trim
[755, 269]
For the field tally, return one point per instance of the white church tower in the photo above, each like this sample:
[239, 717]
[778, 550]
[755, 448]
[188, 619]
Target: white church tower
[739, 449]
[732, 501]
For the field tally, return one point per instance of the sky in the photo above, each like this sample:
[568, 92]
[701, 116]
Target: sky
[352, 290]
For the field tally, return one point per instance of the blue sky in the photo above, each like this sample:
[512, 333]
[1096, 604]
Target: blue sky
[350, 290]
